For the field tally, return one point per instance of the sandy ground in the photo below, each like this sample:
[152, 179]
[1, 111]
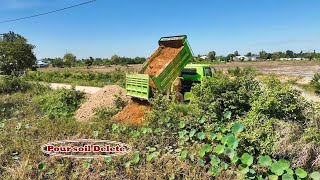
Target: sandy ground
[305, 69]
[86, 89]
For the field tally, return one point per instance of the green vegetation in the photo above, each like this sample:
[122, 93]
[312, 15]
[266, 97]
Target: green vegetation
[78, 78]
[16, 54]
[315, 83]
[235, 127]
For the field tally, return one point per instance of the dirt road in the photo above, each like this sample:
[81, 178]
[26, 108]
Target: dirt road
[86, 89]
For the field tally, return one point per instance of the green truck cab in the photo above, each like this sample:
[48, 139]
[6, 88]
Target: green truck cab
[193, 74]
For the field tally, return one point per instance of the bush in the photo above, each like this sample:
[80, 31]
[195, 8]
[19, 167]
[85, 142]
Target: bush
[221, 94]
[60, 103]
[315, 83]
[12, 84]
[279, 101]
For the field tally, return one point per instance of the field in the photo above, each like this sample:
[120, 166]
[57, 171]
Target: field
[243, 124]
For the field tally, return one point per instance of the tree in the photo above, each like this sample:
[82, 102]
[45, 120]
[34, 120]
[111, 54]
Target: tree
[276, 55]
[69, 59]
[15, 53]
[212, 56]
[263, 54]
[236, 53]
[89, 62]
[290, 54]
[249, 54]
[230, 57]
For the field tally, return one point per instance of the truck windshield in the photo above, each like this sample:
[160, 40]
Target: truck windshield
[207, 72]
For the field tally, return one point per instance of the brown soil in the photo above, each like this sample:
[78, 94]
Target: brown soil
[133, 113]
[102, 98]
[160, 59]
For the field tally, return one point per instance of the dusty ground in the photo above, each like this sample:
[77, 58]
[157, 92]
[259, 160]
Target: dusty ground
[86, 89]
[102, 99]
[300, 72]
[291, 68]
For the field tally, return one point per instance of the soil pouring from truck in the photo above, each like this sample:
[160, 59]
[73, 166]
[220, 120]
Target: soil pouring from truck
[167, 66]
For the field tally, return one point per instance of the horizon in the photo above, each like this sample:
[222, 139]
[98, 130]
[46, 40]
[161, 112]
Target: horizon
[132, 29]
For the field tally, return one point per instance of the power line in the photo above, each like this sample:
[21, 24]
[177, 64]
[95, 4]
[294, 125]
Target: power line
[50, 12]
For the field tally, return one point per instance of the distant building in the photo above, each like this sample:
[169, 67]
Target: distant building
[247, 58]
[204, 57]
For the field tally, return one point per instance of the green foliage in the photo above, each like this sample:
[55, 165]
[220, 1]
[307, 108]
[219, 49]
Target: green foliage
[12, 84]
[69, 60]
[315, 83]
[60, 103]
[219, 95]
[265, 161]
[15, 54]
[78, 78]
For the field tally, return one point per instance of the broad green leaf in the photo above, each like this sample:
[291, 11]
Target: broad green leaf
[201, 162]
[273, 177]
[108, 159]
[192, 132]
[136, 157]
[315, 175]
[114, 127]
[214, 171]
[42, 166]
[87, 165]
[149, 157]
[301, 173]
[232, 142]
[212, 136]
[290, 171]
[215, 161]
[277, 169]
[284, 164]
[223, 129]
[265, 161]
[127, 164]
[234, 159]
[237, 127]
[219, 136]
[201, 135]
[207, 147]
[183, 154]
[182, 124]
[227, 114]
[247, 159]
[202, 120]
[202, 152]
[287, 177]
[244, 169]
[219, 149]
[229, 152]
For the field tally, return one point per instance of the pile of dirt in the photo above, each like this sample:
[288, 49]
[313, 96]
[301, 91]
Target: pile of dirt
[102, 98]
[160, 59]
[133, 113]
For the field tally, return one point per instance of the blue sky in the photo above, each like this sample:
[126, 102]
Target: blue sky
[133, 27]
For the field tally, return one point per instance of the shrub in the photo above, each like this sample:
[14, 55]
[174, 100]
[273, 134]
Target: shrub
[315, 83]
[12, 84]
[60, 103]
[221, 94]
[279, 101]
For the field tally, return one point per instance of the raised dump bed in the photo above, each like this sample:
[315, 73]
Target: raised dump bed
[161, 69]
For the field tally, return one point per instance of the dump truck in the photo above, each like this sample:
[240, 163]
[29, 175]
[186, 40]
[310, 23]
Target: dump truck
[168, 64]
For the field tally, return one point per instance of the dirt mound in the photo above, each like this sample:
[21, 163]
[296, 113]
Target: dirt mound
[102, 98]
[133, 113]
[160, 59]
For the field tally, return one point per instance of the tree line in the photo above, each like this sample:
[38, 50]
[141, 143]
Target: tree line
[70, 60]
[262, 55]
